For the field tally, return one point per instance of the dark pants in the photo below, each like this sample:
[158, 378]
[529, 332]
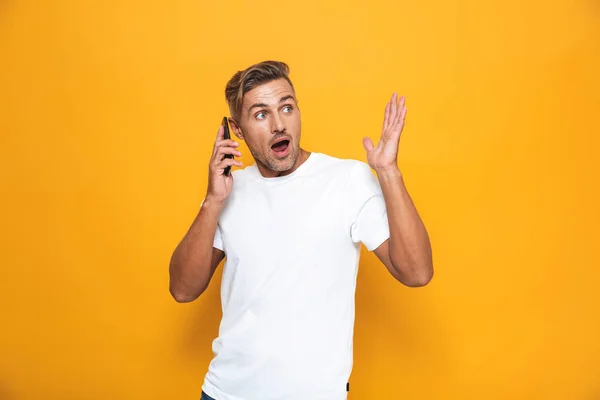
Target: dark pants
[206, 397]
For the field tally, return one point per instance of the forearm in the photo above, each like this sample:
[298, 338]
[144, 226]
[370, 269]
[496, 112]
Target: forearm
[190, 266]
[410, 248]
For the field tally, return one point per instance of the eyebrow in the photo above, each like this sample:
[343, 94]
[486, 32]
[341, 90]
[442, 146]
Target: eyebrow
[263, 105]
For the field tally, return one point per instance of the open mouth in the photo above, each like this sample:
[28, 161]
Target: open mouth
[281, 148]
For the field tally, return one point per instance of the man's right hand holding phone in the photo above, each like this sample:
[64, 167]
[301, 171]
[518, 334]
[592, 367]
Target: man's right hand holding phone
[219, 184]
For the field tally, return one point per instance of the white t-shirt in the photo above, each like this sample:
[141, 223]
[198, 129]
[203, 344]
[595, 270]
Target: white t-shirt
[292, 246]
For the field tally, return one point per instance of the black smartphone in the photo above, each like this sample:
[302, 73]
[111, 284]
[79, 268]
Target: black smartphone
[226, 136]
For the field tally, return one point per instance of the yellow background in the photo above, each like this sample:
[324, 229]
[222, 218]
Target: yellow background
[108, 112]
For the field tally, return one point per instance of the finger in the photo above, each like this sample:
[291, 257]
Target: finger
[397, 130]
[403, 116]
[398, 120]
[224, 143]
[394, 108]
[221, 133]
[222, 151]
[227, 143]
[228, 179]
[227, 162]
[368, 144]
[386, 116]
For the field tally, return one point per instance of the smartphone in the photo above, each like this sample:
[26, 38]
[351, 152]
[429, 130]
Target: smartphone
[227, 136]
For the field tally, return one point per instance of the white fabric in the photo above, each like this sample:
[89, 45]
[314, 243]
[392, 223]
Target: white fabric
[292, 247]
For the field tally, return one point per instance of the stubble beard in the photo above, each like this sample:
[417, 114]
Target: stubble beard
[279, 165]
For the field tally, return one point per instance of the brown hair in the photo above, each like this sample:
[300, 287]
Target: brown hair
[253, 76]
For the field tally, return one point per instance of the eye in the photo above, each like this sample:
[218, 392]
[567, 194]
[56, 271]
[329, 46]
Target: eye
[288, 109]
[260, 115]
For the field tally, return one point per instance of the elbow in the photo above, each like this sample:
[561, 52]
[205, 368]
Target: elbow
[417, 281]
[182, 296]
[418, 278]
[179, 289]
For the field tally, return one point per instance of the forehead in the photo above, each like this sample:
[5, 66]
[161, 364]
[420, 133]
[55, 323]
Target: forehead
[268, 93]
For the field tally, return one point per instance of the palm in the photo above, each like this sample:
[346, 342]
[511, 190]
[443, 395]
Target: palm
[385, 154]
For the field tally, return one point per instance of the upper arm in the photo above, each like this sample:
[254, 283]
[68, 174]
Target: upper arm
[383, 253]
[217, 256]
[185, 292]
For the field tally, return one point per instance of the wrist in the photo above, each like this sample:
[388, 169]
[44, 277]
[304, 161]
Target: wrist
[392, 172]
[213, 204]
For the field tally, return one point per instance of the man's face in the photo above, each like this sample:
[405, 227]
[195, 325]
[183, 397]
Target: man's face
[270, 124]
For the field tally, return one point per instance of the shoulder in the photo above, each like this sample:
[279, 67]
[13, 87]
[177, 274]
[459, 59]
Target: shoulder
[343, 167]
[353, 177]
[359, 178]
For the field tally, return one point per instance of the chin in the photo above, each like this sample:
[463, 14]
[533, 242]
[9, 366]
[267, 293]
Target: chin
[279, 166]
[284, 165]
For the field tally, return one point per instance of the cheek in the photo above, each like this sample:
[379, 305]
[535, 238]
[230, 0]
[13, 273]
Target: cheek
[296, 120]
[296, 126]
[257, 137]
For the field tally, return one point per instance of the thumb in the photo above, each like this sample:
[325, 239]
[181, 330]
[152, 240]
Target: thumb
[229, 181]
[368, 144]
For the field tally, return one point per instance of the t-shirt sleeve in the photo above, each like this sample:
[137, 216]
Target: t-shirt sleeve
[218, 240]
[369, 220]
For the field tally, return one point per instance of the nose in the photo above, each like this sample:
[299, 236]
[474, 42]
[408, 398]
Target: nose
[278, 125]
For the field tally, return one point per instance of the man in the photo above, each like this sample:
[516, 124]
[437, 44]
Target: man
[290, 227]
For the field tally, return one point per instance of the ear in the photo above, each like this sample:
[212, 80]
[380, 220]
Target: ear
[236, 129]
